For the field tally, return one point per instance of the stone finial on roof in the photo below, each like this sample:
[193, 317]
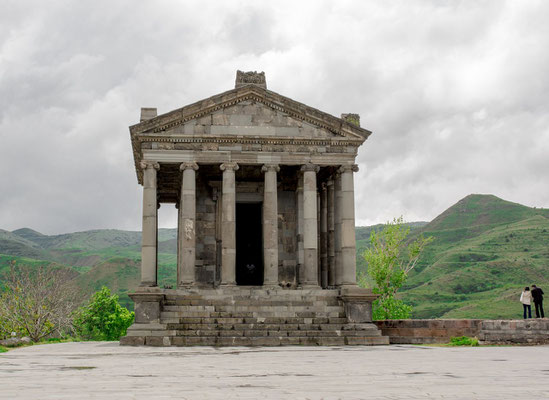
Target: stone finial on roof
[250, 78]
[353, 119]
[147, 113]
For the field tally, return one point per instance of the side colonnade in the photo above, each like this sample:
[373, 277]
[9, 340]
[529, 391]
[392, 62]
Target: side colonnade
[326, 247]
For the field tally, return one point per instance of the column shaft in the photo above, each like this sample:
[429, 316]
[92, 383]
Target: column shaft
[270, 225]
[324, 235]
[187, 226]
[299, 214]
[348, 238]
[331, 243]
[337, 230]
[228, 224]
[150, 227]
[310, 233]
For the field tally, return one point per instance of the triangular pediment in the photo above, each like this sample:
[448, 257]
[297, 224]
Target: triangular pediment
[250, 111]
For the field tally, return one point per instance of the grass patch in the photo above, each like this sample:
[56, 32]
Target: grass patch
[3, 349]
[463, 341]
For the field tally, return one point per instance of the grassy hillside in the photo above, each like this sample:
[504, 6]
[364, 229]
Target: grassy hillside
[485, 251]
[101, 257]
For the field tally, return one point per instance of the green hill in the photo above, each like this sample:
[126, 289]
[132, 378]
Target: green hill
[101, 257]
[485, 251]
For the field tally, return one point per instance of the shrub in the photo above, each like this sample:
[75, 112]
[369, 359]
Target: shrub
[463, 341]
[103, 318]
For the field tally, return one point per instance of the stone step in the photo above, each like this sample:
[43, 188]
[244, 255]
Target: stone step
[254, 341]
[176, 315]
[273, 327]
[260, 320]
[253, 320]
[261, 333]
[255, 308]
[245, 302]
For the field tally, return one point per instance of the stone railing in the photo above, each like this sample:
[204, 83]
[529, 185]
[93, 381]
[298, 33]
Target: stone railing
[425, 331]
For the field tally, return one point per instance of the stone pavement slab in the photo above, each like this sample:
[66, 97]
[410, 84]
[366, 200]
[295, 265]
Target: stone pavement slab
[101, 370]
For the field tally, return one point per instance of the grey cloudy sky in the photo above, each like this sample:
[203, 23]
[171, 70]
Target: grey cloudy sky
[456, 93]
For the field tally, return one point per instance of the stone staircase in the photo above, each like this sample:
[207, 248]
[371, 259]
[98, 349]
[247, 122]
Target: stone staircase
[253, 317]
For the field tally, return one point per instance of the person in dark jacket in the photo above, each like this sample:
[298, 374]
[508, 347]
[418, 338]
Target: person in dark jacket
[537, 296]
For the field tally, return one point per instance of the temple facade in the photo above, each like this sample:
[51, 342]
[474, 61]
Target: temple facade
[264, 187]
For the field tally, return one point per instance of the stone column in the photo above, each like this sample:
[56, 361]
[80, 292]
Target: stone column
[318, 244]
[228, 224]
[337, 230]
[324, 235]
[270, 225]
[299, 217]
[149, 233]
[310, 249]
[186, 224]
[331, 243]
[348, 238]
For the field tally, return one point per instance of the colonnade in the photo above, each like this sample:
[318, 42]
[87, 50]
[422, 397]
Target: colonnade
[333, 249]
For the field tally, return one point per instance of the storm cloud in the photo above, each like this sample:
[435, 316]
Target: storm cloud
[455, 92]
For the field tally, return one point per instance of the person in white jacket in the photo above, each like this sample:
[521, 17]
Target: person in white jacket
[526, 299]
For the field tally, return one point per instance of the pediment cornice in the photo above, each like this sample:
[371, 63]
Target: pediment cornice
[299, 111]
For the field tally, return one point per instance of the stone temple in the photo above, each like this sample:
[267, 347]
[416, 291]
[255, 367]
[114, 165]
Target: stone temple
[266, 226]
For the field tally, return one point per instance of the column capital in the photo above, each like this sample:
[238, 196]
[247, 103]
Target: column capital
[188, 165]
[323, 186]
[348, 168]
[146, 164]
[310, 167]
[229, 166]
[270, 167]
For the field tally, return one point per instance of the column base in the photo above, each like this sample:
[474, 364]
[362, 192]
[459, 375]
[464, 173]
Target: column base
[357, 303]
[148, 307]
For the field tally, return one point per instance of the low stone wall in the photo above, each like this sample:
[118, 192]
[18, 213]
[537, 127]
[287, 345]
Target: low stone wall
[425, 331]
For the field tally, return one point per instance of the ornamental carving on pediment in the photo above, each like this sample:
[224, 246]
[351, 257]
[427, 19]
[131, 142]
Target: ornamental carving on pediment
[250, 77]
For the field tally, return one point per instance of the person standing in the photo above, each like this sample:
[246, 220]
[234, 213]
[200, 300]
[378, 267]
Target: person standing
[525, 299]
[537, 295]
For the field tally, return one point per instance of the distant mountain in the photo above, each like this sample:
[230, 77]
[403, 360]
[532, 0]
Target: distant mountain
[485, 251]
[102, 257]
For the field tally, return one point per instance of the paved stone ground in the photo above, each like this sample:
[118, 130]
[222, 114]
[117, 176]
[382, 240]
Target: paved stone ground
[109, 371]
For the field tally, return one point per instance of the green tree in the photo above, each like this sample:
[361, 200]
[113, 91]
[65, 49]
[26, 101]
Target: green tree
[103, 318]
[390, 258]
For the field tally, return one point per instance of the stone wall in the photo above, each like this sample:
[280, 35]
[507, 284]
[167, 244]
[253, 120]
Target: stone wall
[425, 331]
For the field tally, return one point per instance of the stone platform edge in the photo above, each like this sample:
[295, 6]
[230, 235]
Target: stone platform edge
[428, 331]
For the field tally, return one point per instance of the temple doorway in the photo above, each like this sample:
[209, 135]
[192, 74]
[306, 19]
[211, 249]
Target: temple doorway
[249, 244]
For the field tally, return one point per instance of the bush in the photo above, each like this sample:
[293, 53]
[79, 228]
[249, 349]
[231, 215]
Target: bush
[103, 318]
[390, 308]
[463, 341]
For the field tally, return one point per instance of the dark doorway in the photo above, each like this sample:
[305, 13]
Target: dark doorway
[249, 244]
